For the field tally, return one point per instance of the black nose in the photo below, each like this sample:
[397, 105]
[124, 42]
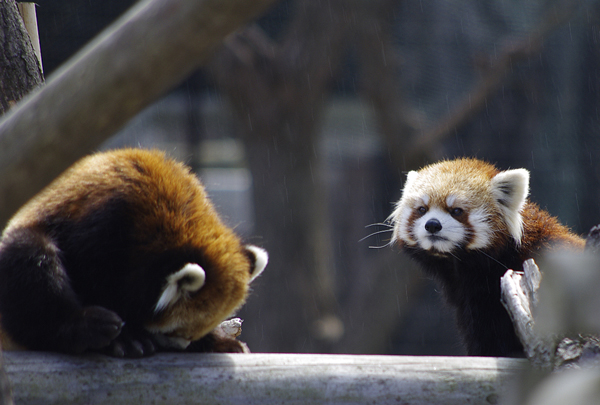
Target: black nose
[433, 226]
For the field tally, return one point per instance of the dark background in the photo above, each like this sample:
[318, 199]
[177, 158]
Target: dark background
[337, 95]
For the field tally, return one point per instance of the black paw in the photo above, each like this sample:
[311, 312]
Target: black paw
[101, 326]
[95, 328]
[132, 345]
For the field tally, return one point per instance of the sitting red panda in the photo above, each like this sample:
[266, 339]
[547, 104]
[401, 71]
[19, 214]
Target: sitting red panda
[466, 222]
[123, 253]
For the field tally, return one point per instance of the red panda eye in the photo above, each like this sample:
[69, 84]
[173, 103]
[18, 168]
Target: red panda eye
[456, 212]
[422, 210]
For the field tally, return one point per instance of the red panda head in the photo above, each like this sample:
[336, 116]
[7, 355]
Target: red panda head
[463, 204]
[193, 303]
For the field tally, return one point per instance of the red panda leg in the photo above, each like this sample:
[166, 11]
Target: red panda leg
[38, 307]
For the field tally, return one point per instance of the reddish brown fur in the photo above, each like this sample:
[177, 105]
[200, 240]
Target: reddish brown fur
[543, 232]
[172, 211]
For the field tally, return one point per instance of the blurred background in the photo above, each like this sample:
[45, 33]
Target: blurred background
[304, 124]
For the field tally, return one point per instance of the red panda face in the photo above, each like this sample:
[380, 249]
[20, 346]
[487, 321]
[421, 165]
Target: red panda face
[463, 204]
[443, 227]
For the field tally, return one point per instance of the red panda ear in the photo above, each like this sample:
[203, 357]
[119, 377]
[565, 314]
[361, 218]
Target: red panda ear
[258, 259]
[510, 189]
[189, 279]
[409, 185]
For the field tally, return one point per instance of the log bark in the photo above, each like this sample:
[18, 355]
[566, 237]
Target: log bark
[45, 378]
[28, 14]
[566, 361]
[562, 333]
[19, 70]
[149, 50]
[519, 297]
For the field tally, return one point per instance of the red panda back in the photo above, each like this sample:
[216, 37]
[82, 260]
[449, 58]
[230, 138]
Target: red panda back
[129, 225]
[543, 232]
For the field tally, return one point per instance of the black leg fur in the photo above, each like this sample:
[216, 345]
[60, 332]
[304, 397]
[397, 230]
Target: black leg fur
[471, 285]
[132, 344]
[35, 286]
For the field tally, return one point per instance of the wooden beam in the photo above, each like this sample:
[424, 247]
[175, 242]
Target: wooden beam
[28, 14]
[46, 378]
[153, 47]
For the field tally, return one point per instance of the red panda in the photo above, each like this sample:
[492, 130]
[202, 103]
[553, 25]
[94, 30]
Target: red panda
[466, 223]
[125, 254]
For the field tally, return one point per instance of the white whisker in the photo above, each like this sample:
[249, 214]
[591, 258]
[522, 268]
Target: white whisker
[382, 247]
[453, 255]
[376, 233]
[379, 224]
[497, 261]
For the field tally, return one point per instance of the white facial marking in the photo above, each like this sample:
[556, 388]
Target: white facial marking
[400, 221]
[451, 234]
[402, 211]
[189, 279]
[401, 216]
[450, 200]
[404, 227]
[482, 231]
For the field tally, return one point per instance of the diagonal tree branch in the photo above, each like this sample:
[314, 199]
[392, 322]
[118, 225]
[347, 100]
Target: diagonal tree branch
[149, 50]
[494, 75]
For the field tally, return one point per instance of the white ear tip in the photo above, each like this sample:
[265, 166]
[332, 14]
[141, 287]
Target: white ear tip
[190, 278]
[510, 189]
[261, 259]
[411, 179]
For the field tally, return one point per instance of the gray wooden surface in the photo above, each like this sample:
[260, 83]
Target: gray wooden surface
[44, 378]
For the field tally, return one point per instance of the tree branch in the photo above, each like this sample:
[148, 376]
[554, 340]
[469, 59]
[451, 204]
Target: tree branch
[149, 50]
[20, 72]
[494, 75]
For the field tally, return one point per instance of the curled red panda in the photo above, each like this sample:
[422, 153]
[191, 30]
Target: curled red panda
[122, 253]
[466, 223]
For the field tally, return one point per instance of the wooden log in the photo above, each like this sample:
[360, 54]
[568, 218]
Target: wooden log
[520, 297]
[27, 11]
[168, 378]
[146, 52]
[20, 71]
